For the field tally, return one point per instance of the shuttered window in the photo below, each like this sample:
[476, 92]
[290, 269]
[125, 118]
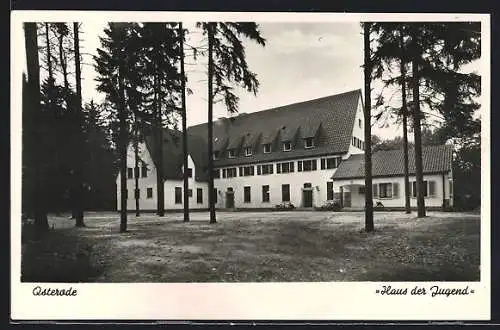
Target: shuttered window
[375, 190]
[395, 189]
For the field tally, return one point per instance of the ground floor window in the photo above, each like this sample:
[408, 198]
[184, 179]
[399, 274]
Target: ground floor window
[265, 194]
[329, 191]
[149, 193]
[385, 190]
[246, 194]
[130, 172]
[285, 192]
[199, 195]
[429, 188]
[178, 195]
[190, 192]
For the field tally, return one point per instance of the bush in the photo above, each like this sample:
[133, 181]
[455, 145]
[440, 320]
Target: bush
[331, 206]
[285, 206]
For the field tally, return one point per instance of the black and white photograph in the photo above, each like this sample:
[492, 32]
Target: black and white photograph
[226, 149]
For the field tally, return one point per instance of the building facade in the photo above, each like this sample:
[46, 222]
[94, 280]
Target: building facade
[290, 154]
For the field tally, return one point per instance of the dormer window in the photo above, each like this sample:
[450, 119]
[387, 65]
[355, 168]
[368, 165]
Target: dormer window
[267, 148]
[308, 142]
[248, 151]
[287, 146]
[231, 153]
[216, 155]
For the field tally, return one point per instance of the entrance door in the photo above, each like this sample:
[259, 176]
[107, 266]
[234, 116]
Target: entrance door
[347, 199]
[230, 198]
[308, 197]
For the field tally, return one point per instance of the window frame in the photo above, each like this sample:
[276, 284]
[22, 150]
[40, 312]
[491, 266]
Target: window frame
[178, 195]
[264, 148]
[231, 153]
[266, 198]
[144, 171]
[287, 185]
[289, 143]
[149, 193]
[311, 145]
[388, 187]
[247, 192]
[247, 153]
[199, 195]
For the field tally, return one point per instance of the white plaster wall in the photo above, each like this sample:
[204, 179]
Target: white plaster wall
[150, 182]
[358, 132]
[436, 201]
[296, 181]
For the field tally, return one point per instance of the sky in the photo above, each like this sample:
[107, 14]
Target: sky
[300, 61]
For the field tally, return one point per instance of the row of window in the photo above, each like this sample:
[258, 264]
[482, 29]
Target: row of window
[391, 189]
[285, 192]
[266, 148]
[358, 143]
[285, 167]
[134, 172]
[178, 194]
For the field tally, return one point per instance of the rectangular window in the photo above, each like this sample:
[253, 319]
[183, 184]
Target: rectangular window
[329, 190]
[287, 146]
[375, 190]
[217, 174]
[309, 165]
[190, 173]
[299, 166]
[149, 193]
[265, 194]
[224, 173]
[284, 167]
[246, 194]
[330, 163]
[361, 190]
[144, 171]
[285, 192]
[385, 190]
[248, 151]
[199, 195]
[231, 153]
[308, 143]
[130, 172]
[450, 184]
[230, 172]
[190, 192]
[429, 188]
[267, 169]
[267, 148]
[136, 172]
[359, 123]
[216, 155]
[178, 195]
[247, 171]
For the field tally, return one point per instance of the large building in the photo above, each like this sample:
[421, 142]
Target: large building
[306, 154]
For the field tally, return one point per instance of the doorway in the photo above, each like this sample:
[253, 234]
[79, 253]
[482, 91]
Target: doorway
[230, 198]
[307, 195]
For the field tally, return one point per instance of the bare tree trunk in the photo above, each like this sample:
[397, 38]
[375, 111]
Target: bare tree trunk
[78, 115]
[123, 143]
[184, 127]
[417, 114]
[136, 172]
[49, 58]
[62, 59]
[405, 132]
[211, 196]
[369, 225]
[33, 68]
[159, 151]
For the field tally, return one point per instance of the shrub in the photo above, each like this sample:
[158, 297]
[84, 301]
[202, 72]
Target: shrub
[331, 206]
[285, 206]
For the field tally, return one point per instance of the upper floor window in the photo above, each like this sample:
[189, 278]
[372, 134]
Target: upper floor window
[248, 151]
[287, 146]
[144, 171]
[267, 148]
[216, 155]
[308, 142]
[284, 167]
[229, 172]
[190, 172]
[306, 165]
[216, 174]
[231, 153]
[329, 163]
[130, 172]
[247, 170]
[265, 169]
[359, 123]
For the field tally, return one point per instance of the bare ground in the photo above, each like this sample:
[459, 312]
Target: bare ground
[256, 247]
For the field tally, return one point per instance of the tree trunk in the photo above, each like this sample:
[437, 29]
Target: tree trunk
[63, 63]
[80, 142]
[417, 114]
[49, 58]
[123, 143]
[405, 133]
[210, 124]
[159, 151]
[136, 172]
[184, 127]
[369, 226]
[33, 70]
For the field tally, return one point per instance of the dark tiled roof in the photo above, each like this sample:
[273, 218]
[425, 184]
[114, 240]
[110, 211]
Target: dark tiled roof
[335, 113]
[435, 159]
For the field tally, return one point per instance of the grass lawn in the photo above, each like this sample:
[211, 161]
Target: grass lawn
[257, 247]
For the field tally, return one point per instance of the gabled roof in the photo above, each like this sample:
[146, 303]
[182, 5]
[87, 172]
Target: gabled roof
[335, 113]
[435, 159]
[172, 152]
